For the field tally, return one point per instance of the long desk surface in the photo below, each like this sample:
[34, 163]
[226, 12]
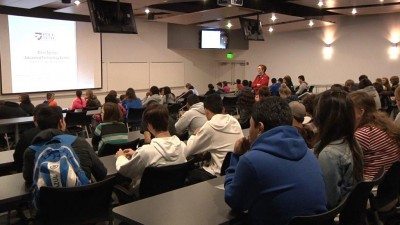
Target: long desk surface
[198, 204]
[6, 158]
[13, 189]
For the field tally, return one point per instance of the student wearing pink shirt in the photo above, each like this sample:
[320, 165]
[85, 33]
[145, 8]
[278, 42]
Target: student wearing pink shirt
[79, 102]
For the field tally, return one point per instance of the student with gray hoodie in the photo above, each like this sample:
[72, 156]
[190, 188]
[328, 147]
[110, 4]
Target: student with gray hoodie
[163, 150]
[217, 136]
[192, 119]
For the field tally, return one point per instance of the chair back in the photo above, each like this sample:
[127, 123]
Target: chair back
[388, 189]
[111, 149]
[174, 108]
[355, 210]
[73, 119]
[201, 98]
[76, 205]
[135, 116]
[326, 218]
[225, 163]
[157, 180]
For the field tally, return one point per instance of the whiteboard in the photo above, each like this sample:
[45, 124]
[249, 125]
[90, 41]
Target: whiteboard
[123, 75]
[170, 74]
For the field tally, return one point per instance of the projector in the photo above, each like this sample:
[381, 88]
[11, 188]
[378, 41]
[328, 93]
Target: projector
[230, 2]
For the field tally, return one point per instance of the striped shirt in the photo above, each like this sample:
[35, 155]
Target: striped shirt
[109, 132]
[378, 148]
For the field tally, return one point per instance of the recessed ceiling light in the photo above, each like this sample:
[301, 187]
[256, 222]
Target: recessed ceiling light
[271, 29]
[147, 10]
[273, 17]
[77, 2]
[354, 11]
[311, 23]
[320, 3]
[229, 25]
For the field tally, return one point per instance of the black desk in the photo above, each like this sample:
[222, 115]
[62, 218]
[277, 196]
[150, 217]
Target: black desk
[13, 191]
[200, 204]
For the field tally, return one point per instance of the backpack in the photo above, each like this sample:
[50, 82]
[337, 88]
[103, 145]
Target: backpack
[56, 165]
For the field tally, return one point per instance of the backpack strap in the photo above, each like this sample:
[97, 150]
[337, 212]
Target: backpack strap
[62, 138]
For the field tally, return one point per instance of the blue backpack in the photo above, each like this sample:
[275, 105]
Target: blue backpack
[56, 165]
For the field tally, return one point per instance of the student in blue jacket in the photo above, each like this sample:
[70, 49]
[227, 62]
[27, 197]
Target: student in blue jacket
[273, 174]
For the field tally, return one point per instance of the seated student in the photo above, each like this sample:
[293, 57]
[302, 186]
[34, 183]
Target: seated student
[246, 86]
[147, 136]
[210, 90]
[226, 88]
[239, 84]
[50, 120]
[192, 119]
[366, 86]
[303, 86]
[351, 85]
[309, 124]
[26, 139]
[220, 89]
[115, 132]
[167, 96]
[91, 100]
[190, 90]
[11, 110]
[26, 104]
[286, 93]
[216, 136]
[397, 98]
[245, 104]
[79, 102]
[338, 152]
[261, 177]
[113, 98]
[131, 101]
[263, 92]
[163, 150]
[274, 88]
[378, 137]
[299, 113]
[50, 99]
[152, 95]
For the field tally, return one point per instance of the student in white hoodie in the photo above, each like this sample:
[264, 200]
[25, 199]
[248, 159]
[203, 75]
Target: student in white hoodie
[163, 150]
[192, 119]
[217, 136]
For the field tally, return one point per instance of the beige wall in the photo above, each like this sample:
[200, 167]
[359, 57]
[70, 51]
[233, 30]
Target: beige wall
[360, 48]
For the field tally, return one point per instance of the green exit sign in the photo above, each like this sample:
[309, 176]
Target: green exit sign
[230, 55]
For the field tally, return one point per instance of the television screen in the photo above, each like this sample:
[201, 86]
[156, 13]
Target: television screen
[252, 29]
[112, 17]
[214, 39]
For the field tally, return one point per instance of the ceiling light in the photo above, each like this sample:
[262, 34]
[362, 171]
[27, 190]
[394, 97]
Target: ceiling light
[229, 25]
[147, 10]
[381, 0]
[354, 11]
[271, 29]
[320, 3]
[311, 23]
[273, 17]
[77, 2]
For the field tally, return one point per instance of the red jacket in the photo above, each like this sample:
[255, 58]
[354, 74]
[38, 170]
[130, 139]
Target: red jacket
[261, 80]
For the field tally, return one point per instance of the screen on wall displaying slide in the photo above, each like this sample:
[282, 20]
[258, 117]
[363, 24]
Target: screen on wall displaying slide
[47, 55]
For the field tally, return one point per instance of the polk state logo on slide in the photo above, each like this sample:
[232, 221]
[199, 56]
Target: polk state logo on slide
[42, 36]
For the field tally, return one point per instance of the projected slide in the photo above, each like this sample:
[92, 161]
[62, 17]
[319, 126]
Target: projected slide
[43, 51]
[45, 55]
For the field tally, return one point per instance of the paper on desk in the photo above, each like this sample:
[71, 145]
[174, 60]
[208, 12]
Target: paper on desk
[221, 186]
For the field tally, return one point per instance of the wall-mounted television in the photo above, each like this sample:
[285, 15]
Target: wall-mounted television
[112, 17]
[213, 39]
[252, 29]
